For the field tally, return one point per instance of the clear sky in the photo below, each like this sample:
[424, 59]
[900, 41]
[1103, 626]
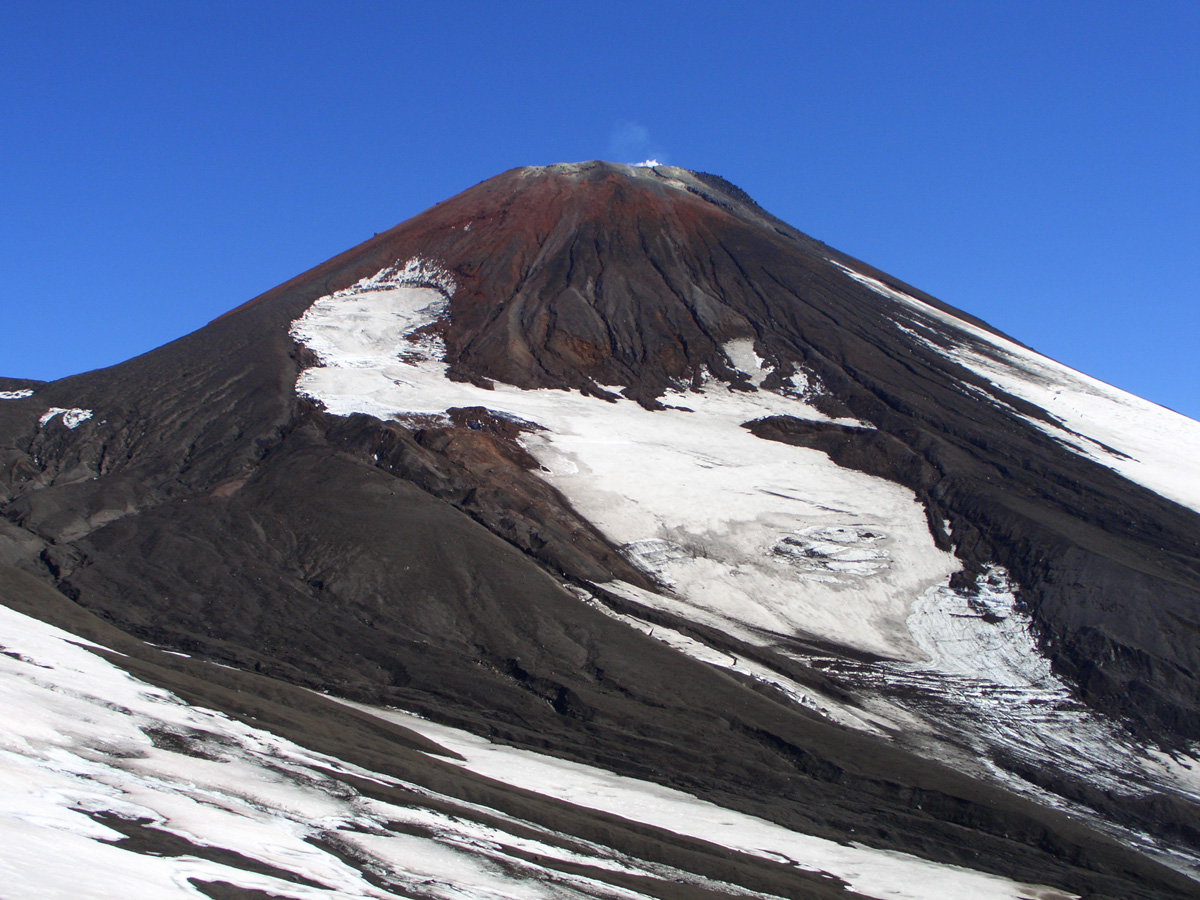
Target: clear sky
[1036, 164]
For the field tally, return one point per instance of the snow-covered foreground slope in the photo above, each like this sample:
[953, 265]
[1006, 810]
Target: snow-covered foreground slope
[89, 754]
[1147, 443]
[874, 873]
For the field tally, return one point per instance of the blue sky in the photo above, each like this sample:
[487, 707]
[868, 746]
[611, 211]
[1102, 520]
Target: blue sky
[1034, 164]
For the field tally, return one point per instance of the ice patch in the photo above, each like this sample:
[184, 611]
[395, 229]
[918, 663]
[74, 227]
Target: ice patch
[16, 395]
[985, 683]
[652, 555]
[415, 272]
[831, 552]
[72, 418]
[981, 634]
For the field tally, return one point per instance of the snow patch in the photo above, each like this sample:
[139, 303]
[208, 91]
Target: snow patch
[72, 418]
[81, 741]
[1154, 446]
[742, 356]
[16, 395]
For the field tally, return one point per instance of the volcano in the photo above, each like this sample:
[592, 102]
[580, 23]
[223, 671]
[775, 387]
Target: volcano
[595, 533]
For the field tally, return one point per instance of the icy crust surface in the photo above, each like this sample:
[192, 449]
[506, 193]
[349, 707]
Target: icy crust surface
[981, 635]
[982, 698]
[1144, 442]
[986, 688]
[83, 743]
[762, 537]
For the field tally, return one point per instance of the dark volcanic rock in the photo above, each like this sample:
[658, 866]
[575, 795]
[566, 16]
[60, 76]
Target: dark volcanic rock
[206, 507]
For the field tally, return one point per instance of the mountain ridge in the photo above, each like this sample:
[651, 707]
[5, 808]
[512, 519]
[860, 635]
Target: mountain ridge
[443, 558]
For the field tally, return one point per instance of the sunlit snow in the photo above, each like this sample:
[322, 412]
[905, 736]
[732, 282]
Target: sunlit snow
[16, 395]
[742, 515]
[72, 418]
[876, 873]
[83, 744]
[1146, 443]
[985, 684]
[759, 539]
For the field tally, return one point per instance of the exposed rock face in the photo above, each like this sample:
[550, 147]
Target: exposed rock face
[427, 564]
[592, 277]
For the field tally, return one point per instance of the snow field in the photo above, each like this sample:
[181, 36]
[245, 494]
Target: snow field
[691, 478]
[77, 737]
[876, 873]
[80, 736]
[760, 539]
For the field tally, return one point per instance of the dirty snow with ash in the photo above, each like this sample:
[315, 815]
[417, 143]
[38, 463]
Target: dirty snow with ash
[803, 695]
[742, 356]
[1144, 442]
[16, 395]
[985, 685]
[823, 553]
[750, 533]
[83, 744]
[875, 873]
[72, 418]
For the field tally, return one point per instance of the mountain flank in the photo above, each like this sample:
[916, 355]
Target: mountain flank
[437, 561]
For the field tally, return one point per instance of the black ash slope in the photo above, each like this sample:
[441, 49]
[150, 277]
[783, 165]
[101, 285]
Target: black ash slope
[206, 507]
